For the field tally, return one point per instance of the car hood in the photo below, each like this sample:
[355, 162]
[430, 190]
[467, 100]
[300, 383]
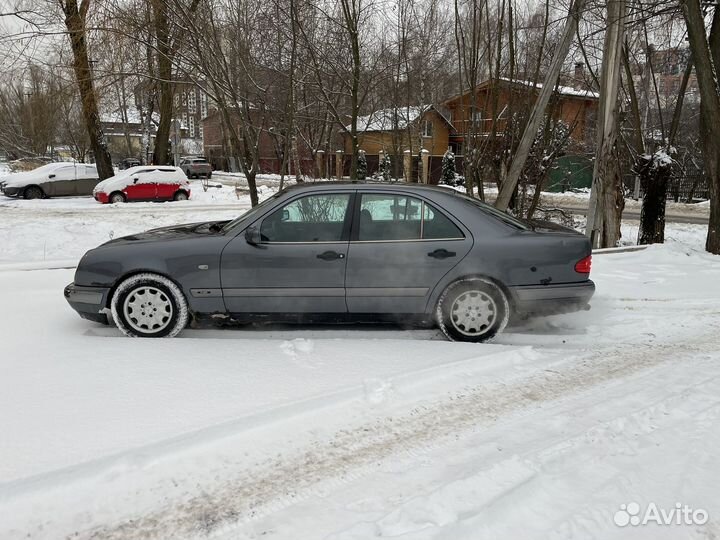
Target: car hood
[20, 179]
[187, 230]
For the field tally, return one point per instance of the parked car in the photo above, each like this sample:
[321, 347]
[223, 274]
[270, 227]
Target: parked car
[128, 162]
[342, 252]
[195, 167]
[52, 180]
[144, 183]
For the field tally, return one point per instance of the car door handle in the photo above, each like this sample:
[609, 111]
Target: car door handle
[331, 256]
[441, 254]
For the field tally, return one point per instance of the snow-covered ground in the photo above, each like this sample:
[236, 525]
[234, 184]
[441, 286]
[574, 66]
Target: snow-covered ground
[353, 433]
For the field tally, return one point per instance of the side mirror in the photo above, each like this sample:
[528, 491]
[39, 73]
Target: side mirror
[51, 176]
[252, 236]
[285, 215]
[135, 180]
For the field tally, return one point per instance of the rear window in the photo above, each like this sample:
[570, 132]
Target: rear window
[199, 160]
[499, 214]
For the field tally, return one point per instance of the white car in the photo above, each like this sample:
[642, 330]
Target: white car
[144, 183]
[52, 180]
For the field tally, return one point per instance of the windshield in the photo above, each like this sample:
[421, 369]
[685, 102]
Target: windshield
[250, 213]
[503, 216]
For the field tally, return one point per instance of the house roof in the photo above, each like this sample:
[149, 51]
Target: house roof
[564, 90]
[394, 118]
[133, 116]
[567, 91]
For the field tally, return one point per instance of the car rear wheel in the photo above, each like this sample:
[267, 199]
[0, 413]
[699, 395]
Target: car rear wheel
[149, 305]
[117, 197]
[473, 310]
[180, 196]
[33, 192]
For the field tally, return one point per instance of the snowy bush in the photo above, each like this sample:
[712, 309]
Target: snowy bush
[362, 166]
[384, 168]
[448, 175]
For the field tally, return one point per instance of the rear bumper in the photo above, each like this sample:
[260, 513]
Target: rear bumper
[89, 302]
[553, 299]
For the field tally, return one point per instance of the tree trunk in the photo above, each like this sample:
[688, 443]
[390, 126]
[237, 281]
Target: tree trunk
[75, 24]
[606, 199]
[538, 111]
[704, 61]
[164, 65]
[654, 178]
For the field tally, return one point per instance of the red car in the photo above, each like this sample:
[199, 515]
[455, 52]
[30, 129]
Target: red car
[144, 183]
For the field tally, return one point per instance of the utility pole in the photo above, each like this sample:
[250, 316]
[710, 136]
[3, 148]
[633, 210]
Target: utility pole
[606, 197]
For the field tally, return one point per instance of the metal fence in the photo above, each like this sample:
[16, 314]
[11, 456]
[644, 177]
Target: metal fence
[687, 188]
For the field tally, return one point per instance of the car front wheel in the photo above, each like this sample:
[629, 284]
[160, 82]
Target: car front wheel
[149, 305]
[180, 196]
[33, 192]
[117, 197]
[473, 310]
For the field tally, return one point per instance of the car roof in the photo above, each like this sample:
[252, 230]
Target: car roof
[350, 185]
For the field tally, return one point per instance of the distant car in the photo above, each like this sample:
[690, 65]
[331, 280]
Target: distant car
[52, 180]
[195, 167]
[128, 162]
[28, 163]
[144, 183]
[343, 252]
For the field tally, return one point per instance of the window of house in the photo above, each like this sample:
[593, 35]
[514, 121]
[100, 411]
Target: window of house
[427, 128]
[191, 127]
[203, 105]
[201, 131]
[192, 104]
[478, 116]
[177, 100]
[184, 99]
[314, 218]
[390, 217]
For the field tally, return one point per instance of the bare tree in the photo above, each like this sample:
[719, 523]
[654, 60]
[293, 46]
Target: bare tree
[706, 57]
[75, 22]
[538, 112]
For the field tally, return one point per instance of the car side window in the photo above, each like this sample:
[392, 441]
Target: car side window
[389, 217]
[393, 217]
[314, 218]
[437, 225]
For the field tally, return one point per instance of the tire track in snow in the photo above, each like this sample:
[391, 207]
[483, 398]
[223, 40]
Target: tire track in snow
[352, 453]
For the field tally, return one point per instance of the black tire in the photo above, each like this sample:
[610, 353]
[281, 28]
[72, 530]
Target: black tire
[473, 310]
[33, 192]
[117, 197]
[164, 308]
[180, 195]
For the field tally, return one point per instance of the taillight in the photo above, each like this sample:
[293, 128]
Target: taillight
[583, 265]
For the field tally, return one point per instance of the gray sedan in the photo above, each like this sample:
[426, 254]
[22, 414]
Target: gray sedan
[342, 252]
[51, 180]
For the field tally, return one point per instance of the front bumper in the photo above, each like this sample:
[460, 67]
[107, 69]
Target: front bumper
[553, 299]
[101, 197]
[11, 191]
[89, 302]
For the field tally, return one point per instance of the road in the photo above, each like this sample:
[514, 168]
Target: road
[355, 433]
[634, 215]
